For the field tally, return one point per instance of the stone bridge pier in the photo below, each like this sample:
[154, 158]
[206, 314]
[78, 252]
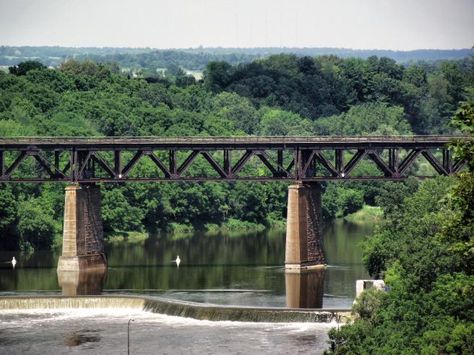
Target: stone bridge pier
[83, 244]
[304, 247]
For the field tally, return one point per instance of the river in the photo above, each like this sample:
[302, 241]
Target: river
[220, 269]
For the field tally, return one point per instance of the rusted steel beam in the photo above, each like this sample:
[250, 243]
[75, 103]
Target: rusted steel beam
[306, 154]
[104, 165]
[380, 163]
[240, 164]
[242, 143]
[353, 162]
[264, 158]
[326, 163]
[185, 165]
[138, 155]
[214, 164]
[228, 163]
[16, 162]
[117, 163]
[160, 165]
[435, 163]
[408, 161]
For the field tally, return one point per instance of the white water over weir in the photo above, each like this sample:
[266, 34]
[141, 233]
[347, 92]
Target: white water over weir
[175, 308]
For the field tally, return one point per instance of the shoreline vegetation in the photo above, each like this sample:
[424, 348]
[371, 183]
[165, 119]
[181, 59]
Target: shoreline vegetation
[234, 227]
[367, 214]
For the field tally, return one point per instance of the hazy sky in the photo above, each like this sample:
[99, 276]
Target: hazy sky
[383, 24]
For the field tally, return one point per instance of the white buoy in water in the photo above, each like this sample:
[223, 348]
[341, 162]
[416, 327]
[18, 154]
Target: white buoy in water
[177, 261]
[13, 262]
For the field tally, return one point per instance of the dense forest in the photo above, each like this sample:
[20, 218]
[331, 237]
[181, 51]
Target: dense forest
[281, 95]
[424, 250]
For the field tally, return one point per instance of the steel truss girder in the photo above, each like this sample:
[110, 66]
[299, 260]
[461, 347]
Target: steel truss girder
[95, 163]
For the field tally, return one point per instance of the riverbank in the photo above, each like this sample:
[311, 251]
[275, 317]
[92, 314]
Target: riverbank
[366, 215]
[232, 227]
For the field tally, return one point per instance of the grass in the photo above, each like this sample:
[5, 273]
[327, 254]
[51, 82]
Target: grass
[130, 237]
[368, 214]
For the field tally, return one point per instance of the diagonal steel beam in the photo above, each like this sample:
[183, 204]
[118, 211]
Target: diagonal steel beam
[214, 164]
[103, 164]
[66, 167]
[308, 163]
[51, 169]
[434, 162]
[84, 164]
[326, 163]
[356, 158]
[23, 154]
[240, 164]
[264, 158]
[159, 164]
[458, 165]
[132, 163]
[380, 163]
[408, 161]
[187, 162]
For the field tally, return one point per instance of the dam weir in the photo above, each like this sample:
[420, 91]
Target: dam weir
[174, 308]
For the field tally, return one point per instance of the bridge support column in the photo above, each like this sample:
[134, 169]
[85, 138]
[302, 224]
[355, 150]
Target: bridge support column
[83, 247]
[304, 247]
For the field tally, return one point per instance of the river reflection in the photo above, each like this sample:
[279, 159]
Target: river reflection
[220, 269]
[305, 289]
[78, 283]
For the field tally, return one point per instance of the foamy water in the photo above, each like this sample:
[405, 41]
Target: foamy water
[104, 331]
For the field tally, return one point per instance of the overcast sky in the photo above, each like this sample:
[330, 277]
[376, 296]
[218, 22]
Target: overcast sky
[363, 24]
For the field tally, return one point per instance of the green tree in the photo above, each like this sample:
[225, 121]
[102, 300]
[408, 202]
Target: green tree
[425, 248]
[36, 224]
[24, 67]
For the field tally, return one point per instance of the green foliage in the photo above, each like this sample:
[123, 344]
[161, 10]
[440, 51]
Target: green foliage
[36, 225]
[367, 119]
[24, 67]
[340, 201]
[117, 214]
[275, 122]
[350, 201]
[280, 95]
[425, 249]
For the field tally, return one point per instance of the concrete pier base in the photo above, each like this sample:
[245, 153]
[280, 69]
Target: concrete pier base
[305, 289]
[83, 244]
[304, 248]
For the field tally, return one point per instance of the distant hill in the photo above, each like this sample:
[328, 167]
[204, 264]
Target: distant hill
[197, 58]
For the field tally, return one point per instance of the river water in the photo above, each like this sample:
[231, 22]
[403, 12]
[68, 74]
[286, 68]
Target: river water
[219, 269]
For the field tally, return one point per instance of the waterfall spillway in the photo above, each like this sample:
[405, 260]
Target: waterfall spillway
[173, 308]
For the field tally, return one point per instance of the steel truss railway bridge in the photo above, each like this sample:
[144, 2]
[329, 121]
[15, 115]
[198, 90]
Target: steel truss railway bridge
[304, 161]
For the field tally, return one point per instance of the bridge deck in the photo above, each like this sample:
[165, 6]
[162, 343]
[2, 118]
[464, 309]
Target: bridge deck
[245, 141]
[315, 158]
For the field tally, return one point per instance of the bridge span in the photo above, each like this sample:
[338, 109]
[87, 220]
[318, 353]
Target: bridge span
[304, 161]
[113, 159]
